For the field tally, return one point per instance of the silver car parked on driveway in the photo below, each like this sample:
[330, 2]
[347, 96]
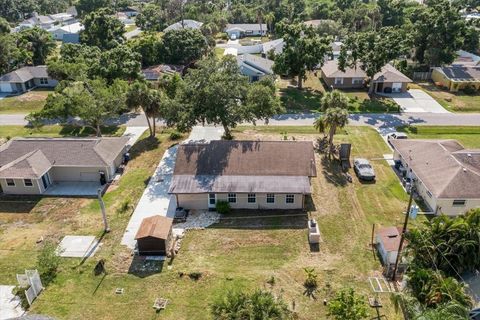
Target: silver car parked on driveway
[363, 169]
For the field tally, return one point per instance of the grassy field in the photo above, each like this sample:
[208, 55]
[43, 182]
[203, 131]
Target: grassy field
[235, 253]
[31, 101]
[468, 136]
[452, 101]
[56, 131]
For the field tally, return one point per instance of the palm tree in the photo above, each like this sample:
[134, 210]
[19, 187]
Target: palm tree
[269, 19]
[139, 95]
[330, 121]
[334, 99]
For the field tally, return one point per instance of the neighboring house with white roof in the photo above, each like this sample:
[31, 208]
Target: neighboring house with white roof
[26, 78]
[274, 46]
[59, 32]
[246, 30]
[47, 22]
[31, 165]
[254, 67]
[447, 176]
[184, 24]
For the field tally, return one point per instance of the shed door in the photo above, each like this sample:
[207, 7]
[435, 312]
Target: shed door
[212, 200]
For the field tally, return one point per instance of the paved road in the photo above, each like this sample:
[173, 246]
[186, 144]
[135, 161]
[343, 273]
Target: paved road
[373, 119]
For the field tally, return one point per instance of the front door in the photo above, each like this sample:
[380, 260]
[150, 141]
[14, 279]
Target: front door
[380, 87]
[212, 200]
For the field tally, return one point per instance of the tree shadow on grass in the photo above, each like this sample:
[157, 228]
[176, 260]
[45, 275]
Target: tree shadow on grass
[297, 100]
[142, 268]
[332, 171]
[144, 145]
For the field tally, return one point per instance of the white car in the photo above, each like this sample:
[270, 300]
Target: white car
[233, 37]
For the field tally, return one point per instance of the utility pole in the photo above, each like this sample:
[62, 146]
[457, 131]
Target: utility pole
[407, 215]
[104, 214]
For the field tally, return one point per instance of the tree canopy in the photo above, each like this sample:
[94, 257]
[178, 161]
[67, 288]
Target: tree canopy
[39, 42]
[102, 30]
[152, 18]
[184, 46]
[304, 51]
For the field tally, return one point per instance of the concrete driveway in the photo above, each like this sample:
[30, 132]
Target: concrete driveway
[155, 199]
[416, 100]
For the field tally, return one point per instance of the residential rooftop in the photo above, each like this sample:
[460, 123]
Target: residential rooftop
[25, 74]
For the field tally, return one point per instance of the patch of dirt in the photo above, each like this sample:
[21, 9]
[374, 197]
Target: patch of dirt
[33, 96]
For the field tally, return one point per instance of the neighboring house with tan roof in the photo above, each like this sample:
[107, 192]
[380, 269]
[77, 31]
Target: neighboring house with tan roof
[26, 78]
[31, 165]
[447, 176]
[388, 80]
[247, 174]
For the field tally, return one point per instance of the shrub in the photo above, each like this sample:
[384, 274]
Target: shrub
[347, 305]
[222, 207]
[271, 281]
[125, 206]
[20, 292]
[175, 135]
[48, 262]
[311, 280]
[469, 89]
[195, 275]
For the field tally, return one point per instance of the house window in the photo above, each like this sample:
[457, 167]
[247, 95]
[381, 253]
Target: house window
[10, 183]
[43, 81]
[270, 198]
[289, 198]
[459, 203]
[28, 182]
[232, 198]
[429, 194]
[338, 81]
[251, 198]
[357, 80]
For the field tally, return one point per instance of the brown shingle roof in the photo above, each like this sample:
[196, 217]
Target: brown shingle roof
[156, 227]
[330, 70]
[444, 166]
[390, 74]
[247, 158]
[30, 166]
[390, 237]
[87, 152]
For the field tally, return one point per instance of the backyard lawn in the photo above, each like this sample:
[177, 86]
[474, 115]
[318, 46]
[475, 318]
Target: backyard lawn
[242, 251]
[25, 103]
[468, 136]
[452, 101]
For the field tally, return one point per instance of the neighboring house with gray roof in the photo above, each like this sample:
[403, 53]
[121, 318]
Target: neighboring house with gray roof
[254, 67]
[184, 24]
[274, 46]
[26, 78]
[247, 174]
[388, 80]
[246, 30]
[31, 165]
[447, 176]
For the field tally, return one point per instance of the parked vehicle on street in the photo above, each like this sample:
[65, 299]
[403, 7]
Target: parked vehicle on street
[363, 169]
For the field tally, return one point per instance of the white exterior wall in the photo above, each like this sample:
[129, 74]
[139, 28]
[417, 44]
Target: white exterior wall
[388, 257]
[6, 87]
[20, 188]
[200, 201]
[51, 83]
[445, 206]
[75, 173]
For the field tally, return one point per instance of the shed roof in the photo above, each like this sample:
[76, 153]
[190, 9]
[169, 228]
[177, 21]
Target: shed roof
[445, 167]
[390, 238]
[155, 227]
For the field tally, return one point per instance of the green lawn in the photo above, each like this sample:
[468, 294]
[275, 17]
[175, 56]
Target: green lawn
[219, 52]
[130, 27]
[56, 131]
[31, 101]
[466, 135]
[452, 101]
[235, 253]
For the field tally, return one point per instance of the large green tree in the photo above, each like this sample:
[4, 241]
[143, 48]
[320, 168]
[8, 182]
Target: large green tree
[85, 7]
[152, 18]
[11, 54]
[74, 62]
[150, 48]
[118, 63]
[91, 101]
[215, 92]
[304, 50]
[184, 46]
[373, 49]
[102, 30]
[39, 42]
[4, 26]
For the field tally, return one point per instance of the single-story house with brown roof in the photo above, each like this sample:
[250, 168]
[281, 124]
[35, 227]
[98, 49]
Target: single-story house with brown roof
[154, 237]
[445, 174]
[33, 165]
[387, 80]
[247, 174]
[26, 78]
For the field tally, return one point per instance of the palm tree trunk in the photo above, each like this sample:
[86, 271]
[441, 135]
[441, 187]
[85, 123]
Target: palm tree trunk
[299, 82]
[149, 125]
[154, 124]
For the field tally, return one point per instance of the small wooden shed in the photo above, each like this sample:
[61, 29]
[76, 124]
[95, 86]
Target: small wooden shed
[154, 236]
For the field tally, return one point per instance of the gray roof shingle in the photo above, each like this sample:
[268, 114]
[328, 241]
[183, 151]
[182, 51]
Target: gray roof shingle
[25, 74]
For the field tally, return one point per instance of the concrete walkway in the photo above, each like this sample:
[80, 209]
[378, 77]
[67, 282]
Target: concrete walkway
[416, 100]
[9, 304]
[134, 133]
[155, 199]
